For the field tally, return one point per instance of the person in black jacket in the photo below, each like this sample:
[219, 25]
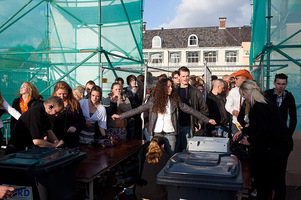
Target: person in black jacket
[156, 158]
[285, 101]
[270, 144]
[216, 106]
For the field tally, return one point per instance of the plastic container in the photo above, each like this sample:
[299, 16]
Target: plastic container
[51, 173]
[201, 175]
[209, 144]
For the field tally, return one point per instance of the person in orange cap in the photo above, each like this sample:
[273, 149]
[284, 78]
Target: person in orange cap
[234, 99]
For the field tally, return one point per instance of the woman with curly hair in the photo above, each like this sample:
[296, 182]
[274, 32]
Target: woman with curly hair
[29, 96]
[163, 109]
[71, 121]
[156, 158]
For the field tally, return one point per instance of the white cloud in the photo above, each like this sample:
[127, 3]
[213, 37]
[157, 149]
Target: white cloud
[202, 13]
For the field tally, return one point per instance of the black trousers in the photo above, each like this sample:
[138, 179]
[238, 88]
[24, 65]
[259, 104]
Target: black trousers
[269, 167]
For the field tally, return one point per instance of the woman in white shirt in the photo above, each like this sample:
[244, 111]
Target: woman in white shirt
[93, 112]
[163, 109]
[6, 108]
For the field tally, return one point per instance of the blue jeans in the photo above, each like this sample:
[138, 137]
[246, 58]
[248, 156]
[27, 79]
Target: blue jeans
[182, 138]
[170, 142]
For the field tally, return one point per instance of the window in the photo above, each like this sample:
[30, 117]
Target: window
[231, 56]
[174, 58]
[210, 57]
[156, 58]
[156, 42]
[145, 57]
[192, 57]
[193, 40]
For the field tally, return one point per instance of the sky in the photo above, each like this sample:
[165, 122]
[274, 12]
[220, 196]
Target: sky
[195, 13]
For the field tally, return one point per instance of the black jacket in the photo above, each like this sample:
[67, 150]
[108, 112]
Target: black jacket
[287, 108]
[266, 128]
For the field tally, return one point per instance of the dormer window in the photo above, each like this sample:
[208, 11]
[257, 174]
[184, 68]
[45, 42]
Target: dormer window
[156, 42]
[193, 41]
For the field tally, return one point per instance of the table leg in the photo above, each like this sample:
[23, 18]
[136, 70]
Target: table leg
[91, 195]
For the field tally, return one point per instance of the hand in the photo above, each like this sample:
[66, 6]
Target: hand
[71, 129]
[58, 143]
[87, 124]
[235, 113]
[212, 121]
[198, 128]
[114, 99]
[115, 116]
[236, 136]
[6, 191]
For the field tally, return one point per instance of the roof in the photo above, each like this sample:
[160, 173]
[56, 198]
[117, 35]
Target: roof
[207, 36]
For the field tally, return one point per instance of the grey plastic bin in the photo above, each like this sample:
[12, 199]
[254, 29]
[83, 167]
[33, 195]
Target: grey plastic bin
[50, 172]
[201, 175]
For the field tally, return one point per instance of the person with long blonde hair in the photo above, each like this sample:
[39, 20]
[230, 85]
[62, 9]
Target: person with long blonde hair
[156, 159]
[270, 144]
[28, 97]
[71, 121]
[163, 107]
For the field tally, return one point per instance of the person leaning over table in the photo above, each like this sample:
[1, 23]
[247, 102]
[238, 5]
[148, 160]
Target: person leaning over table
[34, 125]
[270, 144]
[163, 109]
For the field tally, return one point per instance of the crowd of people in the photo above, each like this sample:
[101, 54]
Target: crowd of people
[174, 110]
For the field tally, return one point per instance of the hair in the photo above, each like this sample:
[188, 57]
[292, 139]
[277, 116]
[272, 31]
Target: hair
[119, 79]
[155, 150]
[140, 77]
[113, 84]
[129, 78]
[70, 98]
[56, 101]
[90, 82]
[183, 69]
[80, 91]
[251, 88]
[97, 89]
[162, 76]
[161, 96]
[213, 77]
[281, 76]
[32, 90]
[217, 82]
[174, 73]
[1, 100]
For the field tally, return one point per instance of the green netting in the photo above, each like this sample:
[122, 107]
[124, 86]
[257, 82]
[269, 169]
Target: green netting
[284, 46]
[51, 40]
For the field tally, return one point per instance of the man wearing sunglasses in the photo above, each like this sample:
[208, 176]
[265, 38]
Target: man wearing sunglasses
[235, 100]
[33, 127]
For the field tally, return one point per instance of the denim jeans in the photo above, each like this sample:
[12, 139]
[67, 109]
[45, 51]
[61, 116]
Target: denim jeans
[182, 138]
[170, 142]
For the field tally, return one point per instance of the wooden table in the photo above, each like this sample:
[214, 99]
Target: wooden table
[99, 159]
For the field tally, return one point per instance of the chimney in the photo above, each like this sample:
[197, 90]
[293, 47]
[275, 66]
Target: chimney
[222, 22]
[143, 27]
